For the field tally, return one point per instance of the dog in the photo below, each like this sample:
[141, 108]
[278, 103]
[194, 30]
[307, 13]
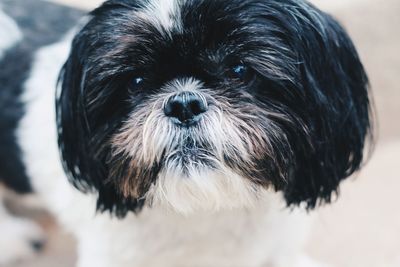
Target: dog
[181, 132]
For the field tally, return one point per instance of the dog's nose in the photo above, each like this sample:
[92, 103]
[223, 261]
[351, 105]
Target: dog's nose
[186, 107]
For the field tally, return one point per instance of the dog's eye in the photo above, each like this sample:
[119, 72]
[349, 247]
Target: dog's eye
[241, 72]
[137, 81]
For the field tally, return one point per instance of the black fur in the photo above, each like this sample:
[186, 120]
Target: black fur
[313, 78]
[38, 30]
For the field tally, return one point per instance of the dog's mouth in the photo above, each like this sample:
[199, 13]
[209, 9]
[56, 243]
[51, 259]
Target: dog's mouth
[190, 154]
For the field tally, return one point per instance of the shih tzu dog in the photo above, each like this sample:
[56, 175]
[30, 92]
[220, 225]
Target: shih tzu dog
[179, 132]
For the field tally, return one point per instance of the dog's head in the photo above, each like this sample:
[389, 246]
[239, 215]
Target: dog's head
[206, 104]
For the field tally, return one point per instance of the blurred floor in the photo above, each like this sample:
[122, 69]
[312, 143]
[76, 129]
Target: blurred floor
[362, 229]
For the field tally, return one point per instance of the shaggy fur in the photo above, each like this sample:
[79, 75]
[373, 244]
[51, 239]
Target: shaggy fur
[194, 122]
[295, 119]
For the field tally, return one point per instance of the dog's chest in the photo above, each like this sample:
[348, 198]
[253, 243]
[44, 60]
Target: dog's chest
[159, 238]
[202, 239]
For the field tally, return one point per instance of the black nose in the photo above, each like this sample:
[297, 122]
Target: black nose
[186, 107]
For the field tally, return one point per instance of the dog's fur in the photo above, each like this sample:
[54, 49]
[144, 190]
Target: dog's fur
[286, 116]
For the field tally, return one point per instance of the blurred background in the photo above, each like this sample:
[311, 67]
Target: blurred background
[362, 228]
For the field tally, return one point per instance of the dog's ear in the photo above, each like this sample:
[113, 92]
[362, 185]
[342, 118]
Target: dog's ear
[88, 112]
[337, 109]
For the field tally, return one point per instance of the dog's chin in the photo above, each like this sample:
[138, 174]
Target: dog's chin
[191, 188]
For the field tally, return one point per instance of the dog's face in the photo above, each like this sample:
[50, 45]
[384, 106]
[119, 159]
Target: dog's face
[206, 104]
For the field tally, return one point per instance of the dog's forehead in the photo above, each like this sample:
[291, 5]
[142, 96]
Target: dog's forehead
[159, 34]
[165, 15]
[180, 16]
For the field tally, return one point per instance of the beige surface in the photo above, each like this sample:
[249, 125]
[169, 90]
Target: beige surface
[362, 229]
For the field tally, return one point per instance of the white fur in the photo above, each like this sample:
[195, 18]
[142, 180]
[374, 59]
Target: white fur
[252, 237]
[203, 189]
[16, 236]
[9, 33]
[164, 15]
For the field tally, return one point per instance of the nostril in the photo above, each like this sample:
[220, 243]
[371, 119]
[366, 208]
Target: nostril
[177, 108]
[197, 107]
[185, 107]
[173, 108]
